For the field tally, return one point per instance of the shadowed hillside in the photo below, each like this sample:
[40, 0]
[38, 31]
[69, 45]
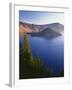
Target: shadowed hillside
[47, 33]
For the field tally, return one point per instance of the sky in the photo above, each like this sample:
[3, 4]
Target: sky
[41, 17]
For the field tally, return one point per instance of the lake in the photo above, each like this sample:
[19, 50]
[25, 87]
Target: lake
[51, 51]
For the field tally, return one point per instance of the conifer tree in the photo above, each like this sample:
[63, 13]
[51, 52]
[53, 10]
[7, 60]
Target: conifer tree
[27, 50]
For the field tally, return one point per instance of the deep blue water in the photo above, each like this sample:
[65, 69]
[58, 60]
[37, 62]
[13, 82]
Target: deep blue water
[51, 51]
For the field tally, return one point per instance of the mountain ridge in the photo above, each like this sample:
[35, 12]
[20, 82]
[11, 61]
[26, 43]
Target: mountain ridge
[34, 29]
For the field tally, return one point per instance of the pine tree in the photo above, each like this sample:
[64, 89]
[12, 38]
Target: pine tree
[27, 50]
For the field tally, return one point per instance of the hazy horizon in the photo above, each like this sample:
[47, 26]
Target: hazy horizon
[41, 17]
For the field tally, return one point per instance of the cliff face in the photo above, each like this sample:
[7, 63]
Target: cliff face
[34, 28]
